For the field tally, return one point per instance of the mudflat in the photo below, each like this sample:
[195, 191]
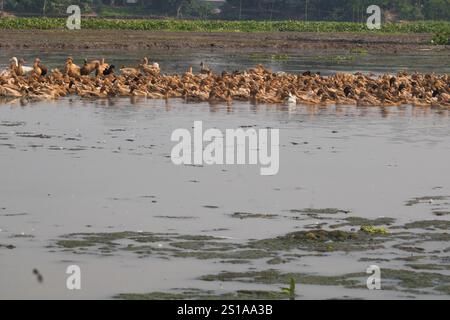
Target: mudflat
[137, 40]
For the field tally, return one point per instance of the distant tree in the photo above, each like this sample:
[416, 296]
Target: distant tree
[338, 10]
[437, 9]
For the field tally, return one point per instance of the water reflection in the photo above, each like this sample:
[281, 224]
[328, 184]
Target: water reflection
[312, 111]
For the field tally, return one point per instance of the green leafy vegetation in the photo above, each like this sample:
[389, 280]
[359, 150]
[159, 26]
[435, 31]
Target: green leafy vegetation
[441, 38]
[291, 290]
[221, 26]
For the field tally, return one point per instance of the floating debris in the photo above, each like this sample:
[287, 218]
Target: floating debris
[38, 275]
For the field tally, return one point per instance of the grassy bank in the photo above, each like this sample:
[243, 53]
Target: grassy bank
[223, 26]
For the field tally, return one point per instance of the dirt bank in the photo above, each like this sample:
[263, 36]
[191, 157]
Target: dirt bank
[138, 40]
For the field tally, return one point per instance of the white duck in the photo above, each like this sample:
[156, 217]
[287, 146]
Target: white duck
[292, 99]
[19, 67]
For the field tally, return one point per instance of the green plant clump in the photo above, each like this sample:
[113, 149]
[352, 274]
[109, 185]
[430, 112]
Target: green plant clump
[374, 230]
[441, 38]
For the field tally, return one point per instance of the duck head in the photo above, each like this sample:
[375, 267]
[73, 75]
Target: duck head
[14, 61]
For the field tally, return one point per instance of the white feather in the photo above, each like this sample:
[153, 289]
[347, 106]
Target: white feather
[292, 99]
[27, 69]
[15, 61]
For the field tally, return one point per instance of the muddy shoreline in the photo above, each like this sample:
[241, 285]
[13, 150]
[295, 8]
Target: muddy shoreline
[279, 41]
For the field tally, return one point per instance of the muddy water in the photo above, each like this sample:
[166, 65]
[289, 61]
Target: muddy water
[76, 170]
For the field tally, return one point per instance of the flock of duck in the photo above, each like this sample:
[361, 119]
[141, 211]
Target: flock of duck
[97, 80]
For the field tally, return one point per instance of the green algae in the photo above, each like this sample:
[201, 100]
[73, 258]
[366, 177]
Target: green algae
[428, 266]
[210, 207]
[444, 289]
[232, 255]
[441, 213]
[196, 237]
[319, 214]
[374, 230]
[358, 221]
[280, 250]
[428, 224]
[82, 240]
[274, 251]
[319, 211]
[367, 259]
[424, 199]
[25, 236]
[404, 280]
[69, 244]
[320, 240]
[315, 225]
[197, 294]
[273, 276]
[236, 261]
[411, 258]
[248, 215]
[7, 246]
[276, 260]
[416, 280]
[412, 249]
[177, 217]
[203, 245]
[78, 240]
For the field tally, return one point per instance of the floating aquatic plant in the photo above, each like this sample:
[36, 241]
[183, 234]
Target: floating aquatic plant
[374, 230]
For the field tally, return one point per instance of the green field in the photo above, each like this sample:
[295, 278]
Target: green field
[225, 26]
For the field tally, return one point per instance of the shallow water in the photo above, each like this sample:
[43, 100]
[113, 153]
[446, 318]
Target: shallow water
[74, 166]
[326, 62]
